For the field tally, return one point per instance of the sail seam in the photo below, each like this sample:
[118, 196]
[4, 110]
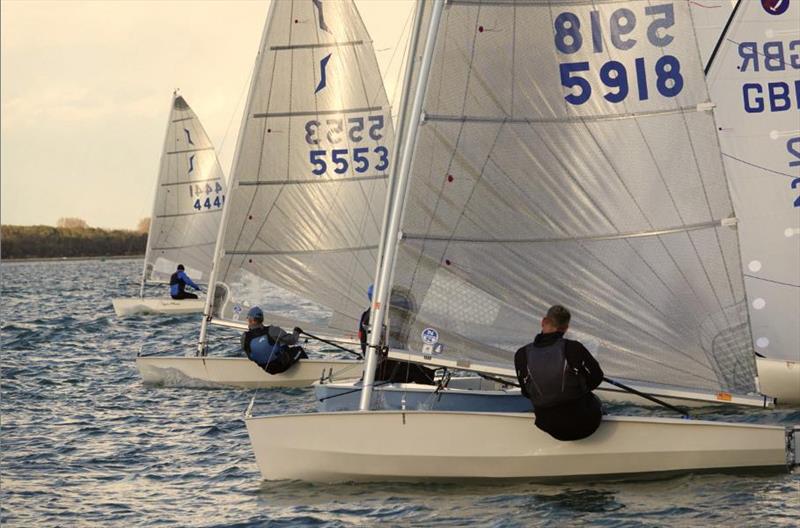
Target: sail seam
[312, 46]
[319, 112]
[182, 119]
[184, 182]
[773, 281]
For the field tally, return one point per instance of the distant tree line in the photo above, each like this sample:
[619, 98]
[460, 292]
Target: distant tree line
[74, 239]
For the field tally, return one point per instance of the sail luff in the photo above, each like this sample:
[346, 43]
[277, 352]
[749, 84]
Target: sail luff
[401, 172]
[232, 183]
[155, 195]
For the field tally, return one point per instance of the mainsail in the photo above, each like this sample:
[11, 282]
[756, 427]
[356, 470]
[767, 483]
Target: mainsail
[755, 83]
[190, 193]
[309, 178]
[580, 166]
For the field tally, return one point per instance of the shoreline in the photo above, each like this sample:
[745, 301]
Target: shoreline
[70, 259]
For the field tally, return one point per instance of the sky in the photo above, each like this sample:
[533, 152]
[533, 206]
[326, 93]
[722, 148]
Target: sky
[85, 89]
[87, 85]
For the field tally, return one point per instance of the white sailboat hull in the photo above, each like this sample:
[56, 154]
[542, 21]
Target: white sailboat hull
[780, 379]
[136, 306]
[239, 372]
[421, 445]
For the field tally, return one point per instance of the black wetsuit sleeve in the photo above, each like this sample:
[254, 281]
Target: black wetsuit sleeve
[245, 342]
[582, 360]
[277, 335]
[521, 365]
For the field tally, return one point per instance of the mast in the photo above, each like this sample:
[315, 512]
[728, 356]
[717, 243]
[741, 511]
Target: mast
[400, 176]
[413, 42]
[218, 248]
[155, 195]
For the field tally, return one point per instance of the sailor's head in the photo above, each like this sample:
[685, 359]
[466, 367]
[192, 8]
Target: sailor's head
[556, 320]
[370, 291]
[180, 267]
[255, 317]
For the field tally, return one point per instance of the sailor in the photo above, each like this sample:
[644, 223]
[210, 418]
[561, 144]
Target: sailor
[558, 375]
[390, 370]
[178, 282]
[269, 346]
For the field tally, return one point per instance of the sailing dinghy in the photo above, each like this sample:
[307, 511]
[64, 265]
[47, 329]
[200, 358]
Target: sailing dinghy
[307, 194]
[754, 80]
[553, 152]
[189, 198]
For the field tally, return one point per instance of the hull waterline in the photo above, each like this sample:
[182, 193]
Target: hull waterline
[239, 372]
[135, 306]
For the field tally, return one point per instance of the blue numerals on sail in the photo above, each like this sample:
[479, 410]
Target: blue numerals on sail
[793, 146]
[615, 80]
[343, 135]
[206, 196]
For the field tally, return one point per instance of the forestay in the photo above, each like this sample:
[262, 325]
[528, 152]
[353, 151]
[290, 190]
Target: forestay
[190, 194]
[309, 181]
[578, 166]
[755, 83]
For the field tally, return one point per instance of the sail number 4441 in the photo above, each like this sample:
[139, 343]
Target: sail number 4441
[573, 34]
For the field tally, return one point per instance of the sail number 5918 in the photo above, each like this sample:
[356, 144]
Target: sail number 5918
[570, 38]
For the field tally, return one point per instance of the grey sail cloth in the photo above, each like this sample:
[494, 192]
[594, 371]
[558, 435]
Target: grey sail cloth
[310, 174]
[190, 194]
[755, 84]
[540, 177]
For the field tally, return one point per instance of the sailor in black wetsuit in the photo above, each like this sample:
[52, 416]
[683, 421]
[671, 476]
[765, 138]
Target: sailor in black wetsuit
[178, 282]
[269, 346]
[391, 370]
[558, 375]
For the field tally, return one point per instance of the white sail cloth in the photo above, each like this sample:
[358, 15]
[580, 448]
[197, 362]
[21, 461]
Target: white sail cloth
[190, 194]
[309, 180]
[755, 83]
[568, 154]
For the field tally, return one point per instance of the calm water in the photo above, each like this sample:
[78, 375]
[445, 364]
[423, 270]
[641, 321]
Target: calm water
[84, 443]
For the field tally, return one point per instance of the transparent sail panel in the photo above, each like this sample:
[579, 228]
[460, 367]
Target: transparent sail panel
[568, 156]
[309, 183]
[755, 83]
[189, 198]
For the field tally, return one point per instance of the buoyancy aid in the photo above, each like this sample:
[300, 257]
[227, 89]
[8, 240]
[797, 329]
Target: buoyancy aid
[551, 380]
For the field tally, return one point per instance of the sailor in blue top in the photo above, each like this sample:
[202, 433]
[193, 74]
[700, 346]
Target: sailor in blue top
[178, 282]
[270, 347]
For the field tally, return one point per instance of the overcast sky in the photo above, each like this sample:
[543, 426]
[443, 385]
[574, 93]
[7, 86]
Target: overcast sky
[86, 89]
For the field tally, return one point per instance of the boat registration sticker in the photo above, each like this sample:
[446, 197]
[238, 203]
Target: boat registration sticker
[430, 336]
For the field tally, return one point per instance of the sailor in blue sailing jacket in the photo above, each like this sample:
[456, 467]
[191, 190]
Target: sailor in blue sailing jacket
[178, 282]
[270, 347]
[558, 375]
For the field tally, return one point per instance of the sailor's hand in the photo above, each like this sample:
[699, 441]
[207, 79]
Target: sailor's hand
[298, 330]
